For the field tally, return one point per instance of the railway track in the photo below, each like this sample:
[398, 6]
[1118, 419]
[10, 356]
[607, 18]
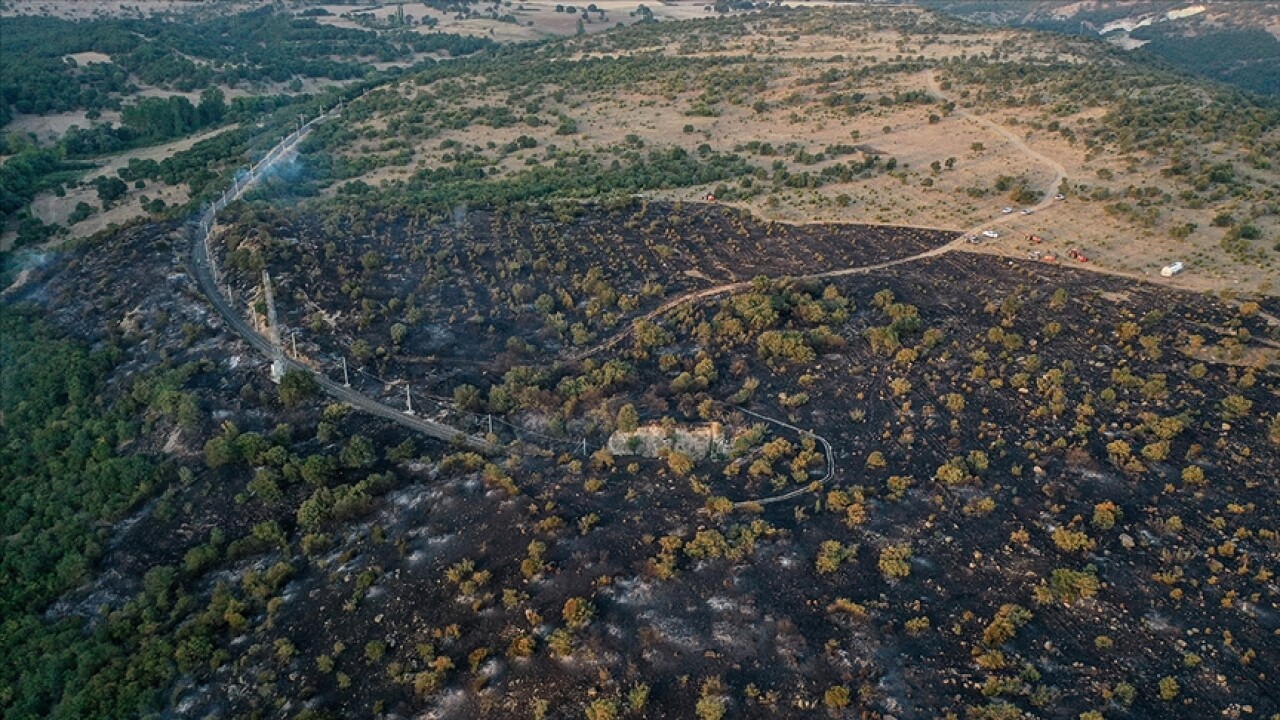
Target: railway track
[203, 269]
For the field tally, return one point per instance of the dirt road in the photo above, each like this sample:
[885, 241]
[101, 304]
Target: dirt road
[1060, 173]
[1049, 201]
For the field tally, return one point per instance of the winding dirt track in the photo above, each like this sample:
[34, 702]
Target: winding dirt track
[805, 489]
[958, 243]
[1060, 174]
[732, 288]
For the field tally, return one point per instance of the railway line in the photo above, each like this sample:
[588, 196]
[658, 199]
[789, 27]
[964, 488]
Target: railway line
[204, 270]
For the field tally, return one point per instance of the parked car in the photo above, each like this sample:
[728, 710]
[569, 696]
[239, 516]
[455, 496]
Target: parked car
[1007, 210]
[990, 233]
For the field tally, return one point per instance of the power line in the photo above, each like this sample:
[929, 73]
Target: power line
[241, 184]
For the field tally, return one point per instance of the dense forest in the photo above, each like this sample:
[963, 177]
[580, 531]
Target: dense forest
[66, 474]
[36, 76]
[1248, 58]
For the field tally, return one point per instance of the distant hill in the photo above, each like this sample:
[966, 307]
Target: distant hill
[1235, 42]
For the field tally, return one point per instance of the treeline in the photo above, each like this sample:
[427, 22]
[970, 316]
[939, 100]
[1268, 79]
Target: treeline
[452, 45]
[163, 118]
[441, 189]
[153, 120]
[149, 120]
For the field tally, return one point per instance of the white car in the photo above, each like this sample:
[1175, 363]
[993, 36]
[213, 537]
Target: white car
[990, 233]
[1007, 210]
[1059, 196]
[1027, 211]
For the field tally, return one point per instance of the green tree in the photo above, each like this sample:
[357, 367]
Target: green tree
[836, 697]
[1236, 406]
[297, 386]
[398, 333]
[577, 613]
[601, 708]
[628, 418]
[317, 470]
[680, 463]
[110, 189]
[357, 452]
[894, 561]
[213, 105]
[710, 707]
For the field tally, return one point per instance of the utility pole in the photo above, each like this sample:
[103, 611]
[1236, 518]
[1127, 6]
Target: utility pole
[408, 399]
[584, 447]
[346, 382]
[489, 419]
[294, 337]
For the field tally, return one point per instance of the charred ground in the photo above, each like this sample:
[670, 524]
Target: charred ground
[1054, 490]
[523, 283]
